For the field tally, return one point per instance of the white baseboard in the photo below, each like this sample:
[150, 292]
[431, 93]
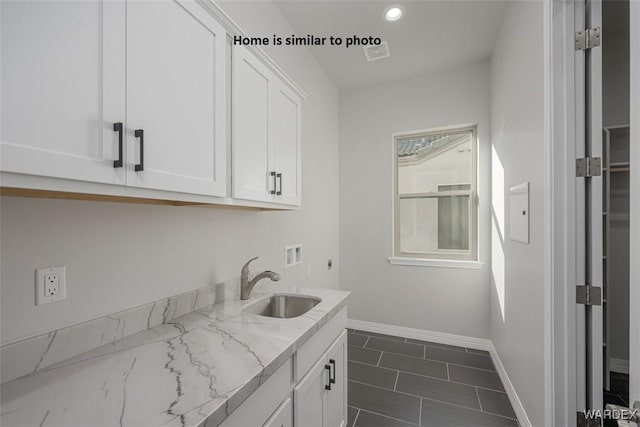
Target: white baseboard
[419, 334]
[508, 387]
[451, 339]
[619, 365]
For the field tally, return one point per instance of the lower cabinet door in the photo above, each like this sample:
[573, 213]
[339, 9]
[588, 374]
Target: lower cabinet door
[283, 417]
[310, 397]
[320, 397]
[337, 396]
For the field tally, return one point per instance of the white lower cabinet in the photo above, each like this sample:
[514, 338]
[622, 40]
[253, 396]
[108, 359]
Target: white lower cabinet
[308, 390]
[337, 397]
[320, 397]
[283, 417]
[259, 409]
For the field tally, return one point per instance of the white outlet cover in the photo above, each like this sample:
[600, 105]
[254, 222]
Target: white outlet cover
[41, 273]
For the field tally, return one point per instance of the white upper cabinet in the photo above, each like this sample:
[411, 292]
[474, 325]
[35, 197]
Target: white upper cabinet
[70, 71]
[176, 97]
[285, 133]
[252, 155]
[63, 88]
[266, 133]
[147, 95]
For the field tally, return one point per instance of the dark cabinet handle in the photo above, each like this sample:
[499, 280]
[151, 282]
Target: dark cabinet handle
[273, 175]
[328, 386]
[279, 192]
[332, 380]
[117, 127]
[139, 133]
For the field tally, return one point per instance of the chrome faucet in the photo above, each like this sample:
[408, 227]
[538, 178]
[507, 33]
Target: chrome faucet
[246, 284]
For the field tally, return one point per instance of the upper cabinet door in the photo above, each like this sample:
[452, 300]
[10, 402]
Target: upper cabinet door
[266, 136]
[63, 88]
[253, 174]
[176, 98]
[285, 133]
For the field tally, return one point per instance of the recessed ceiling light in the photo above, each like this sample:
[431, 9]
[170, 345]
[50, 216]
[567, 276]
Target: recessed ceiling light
[393, 13]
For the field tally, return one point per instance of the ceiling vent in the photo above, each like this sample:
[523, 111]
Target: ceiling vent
[373, 53]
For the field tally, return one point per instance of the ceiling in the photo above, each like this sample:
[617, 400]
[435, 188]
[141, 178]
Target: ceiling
[433, 35]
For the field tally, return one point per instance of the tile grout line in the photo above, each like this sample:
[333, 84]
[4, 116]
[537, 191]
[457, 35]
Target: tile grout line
[502, 416]
[384, 415]
[471, 409]
[424, 351]
[404, 393]
[407, 372]
[433, 360]
[420, 413]
[374, 366]
[484, 387]
[381, 336]
[356, 418]
[479, 401]
[489, 389]
[364, 363]
[396, 384]
[411, 373]
[379, 359]
[467, 366]
[478, 386]
[387, 389]
[428, 398]
[449, 347]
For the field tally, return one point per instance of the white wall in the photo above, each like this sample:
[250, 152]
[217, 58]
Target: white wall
[437, 299]
[517, 131]
[122, 255]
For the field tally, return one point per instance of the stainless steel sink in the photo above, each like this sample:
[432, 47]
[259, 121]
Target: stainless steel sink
[283, 306]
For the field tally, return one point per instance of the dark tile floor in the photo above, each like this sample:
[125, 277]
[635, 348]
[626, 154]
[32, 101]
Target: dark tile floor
[618, 393]
[396, 381]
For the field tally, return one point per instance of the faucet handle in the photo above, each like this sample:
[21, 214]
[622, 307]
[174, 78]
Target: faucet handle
[245, 268]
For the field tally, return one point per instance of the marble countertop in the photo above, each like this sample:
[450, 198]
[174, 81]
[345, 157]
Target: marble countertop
[198, 367]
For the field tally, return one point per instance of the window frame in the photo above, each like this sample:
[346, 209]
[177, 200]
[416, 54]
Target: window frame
[470, 255]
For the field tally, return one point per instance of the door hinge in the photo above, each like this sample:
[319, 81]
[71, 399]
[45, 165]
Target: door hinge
[588, 295]
[588, 167]
[586, 39]
[583, 421]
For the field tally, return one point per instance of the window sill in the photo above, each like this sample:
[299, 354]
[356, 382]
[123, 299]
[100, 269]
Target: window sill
[441, 263]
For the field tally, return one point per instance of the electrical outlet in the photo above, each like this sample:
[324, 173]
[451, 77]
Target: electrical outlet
[51, 287]
[50, 284]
